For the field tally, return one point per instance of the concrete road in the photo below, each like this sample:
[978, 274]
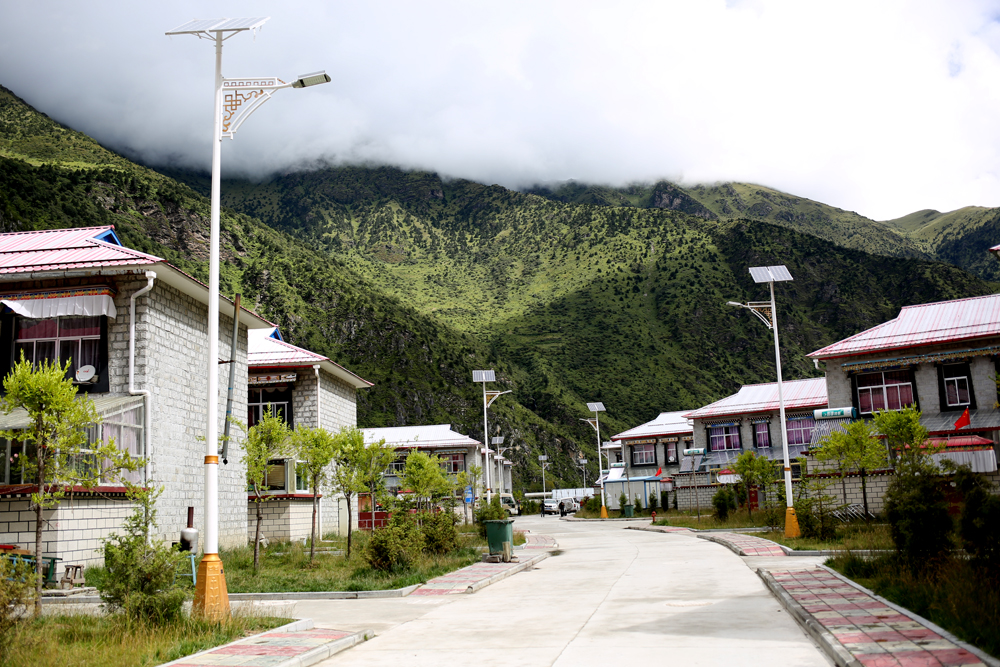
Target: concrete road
[610, 597]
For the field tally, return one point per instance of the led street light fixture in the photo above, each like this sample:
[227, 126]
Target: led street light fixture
[311, 79]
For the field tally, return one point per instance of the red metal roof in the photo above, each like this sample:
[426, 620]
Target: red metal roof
[263, 351]
[960, 441]
[926, 324]
[62, 249]
[798, 394]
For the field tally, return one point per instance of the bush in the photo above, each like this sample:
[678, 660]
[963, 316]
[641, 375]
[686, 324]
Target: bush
[724, 502]
[675, 499]
[665, 500]
[439, 532]
[395, 546]
[140, 578]
[917, 511]
[653, 501]
[593, 504]
[980, 523]
[17, 589]
[622, 501]
[531, 507]
[815, 518]
[491, 511]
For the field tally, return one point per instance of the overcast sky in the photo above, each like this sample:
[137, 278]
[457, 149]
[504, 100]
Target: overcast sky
[878, 107]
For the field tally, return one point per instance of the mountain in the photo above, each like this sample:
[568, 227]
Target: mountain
[959, 237]
[413, 280]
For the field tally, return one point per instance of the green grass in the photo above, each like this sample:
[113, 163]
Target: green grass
[851, 537]
[112, 641]
[286, 567]
[959, 595]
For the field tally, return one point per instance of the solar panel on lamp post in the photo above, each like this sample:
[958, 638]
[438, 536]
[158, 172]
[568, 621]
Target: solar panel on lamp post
[765, 311]
[488, 398]
[595, 422]
[242, 97]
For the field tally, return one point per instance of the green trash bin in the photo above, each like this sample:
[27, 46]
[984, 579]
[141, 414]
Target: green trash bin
[628, 511]
[499, 531]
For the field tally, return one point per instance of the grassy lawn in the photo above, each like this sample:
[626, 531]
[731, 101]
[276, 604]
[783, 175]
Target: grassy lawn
[850, 537]
[112, 641]
[686, 519]
[286, 567]
[958, 595]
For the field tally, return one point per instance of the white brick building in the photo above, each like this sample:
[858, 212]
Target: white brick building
[68, 294]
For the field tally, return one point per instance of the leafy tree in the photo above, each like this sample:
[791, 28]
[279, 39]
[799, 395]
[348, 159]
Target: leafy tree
[266, 440]
[753, 471]
[372, 461]
[58, 457]
[903, 433]
[857, 447]
[315, 449]
[423, 475]
[352, 470]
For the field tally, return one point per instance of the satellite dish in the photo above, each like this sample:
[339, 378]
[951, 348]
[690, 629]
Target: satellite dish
[85, 373]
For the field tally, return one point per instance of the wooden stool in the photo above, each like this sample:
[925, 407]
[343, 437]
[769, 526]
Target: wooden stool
[73, 576]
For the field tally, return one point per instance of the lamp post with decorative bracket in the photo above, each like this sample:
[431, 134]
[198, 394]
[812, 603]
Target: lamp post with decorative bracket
[488, 397]
[765, 312]
[595, 423]
[235, 100]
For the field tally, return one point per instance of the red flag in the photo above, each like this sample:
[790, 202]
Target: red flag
[658, 471]
[964, 420]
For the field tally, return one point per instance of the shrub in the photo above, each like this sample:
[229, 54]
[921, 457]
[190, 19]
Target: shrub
[917, 512]
[140, 578]
[491, 511]
[593, 504]
[622, 501]
[638, 503]
[980, 523]
[724, 502]
[17, 588]
[675, 498]
[439, 531]
[395, 546]
[816, 520]
[653, 501]
[665, 500]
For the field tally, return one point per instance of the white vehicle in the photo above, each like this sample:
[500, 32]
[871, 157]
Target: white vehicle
[510, 504]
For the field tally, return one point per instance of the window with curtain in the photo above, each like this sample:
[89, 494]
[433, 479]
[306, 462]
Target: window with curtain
[762, 434]
[800, 430]
[724, 437]
[58, 340]
[891, 390]
[643, 455]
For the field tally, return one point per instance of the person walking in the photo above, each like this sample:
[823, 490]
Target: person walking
[562, 508]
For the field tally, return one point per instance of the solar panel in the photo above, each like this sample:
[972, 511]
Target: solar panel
[769, 274]
[210, 25]
[483, 376]
[497, 440]
[595, 407]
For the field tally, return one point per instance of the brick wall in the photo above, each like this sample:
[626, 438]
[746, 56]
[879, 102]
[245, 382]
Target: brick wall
[285, 519]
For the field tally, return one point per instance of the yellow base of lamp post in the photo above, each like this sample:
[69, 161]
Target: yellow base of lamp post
[791, 523]
[211, 597]
[604, 512]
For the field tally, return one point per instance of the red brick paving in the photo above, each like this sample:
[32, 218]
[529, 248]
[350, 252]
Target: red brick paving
[874, 633]
[748, 545]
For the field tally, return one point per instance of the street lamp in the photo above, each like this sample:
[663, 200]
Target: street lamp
[583, 471]
[498, 440]
[235, 100]
[765, 311]
[543, 458]
[595, 422]
[488, 398]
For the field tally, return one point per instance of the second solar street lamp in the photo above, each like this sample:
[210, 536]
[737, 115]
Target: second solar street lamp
[765, 311]
[595, 422]
[235, 100]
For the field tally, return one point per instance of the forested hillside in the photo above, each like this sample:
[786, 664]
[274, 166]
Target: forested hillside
[413, 281]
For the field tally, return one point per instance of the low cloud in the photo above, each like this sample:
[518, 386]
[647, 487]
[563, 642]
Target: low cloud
[882, 108]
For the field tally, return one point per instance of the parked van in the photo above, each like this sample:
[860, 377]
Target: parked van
[510, 504]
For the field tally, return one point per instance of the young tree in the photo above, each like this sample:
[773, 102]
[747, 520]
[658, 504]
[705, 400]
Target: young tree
[266, 440]
[57, 456]
[372, 461]
[857, 447]
[475, 473]
[424, 477]
[315, 449]
[753, 471]
[903, 433]
[354, 471]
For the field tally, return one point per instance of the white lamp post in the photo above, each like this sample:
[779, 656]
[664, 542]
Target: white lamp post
[765, 311]
[544, 461]
[488, 398]
[498, 440]
[595, 422]
[583, 471]
[235, 100]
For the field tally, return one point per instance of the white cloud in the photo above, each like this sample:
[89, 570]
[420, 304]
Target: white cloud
[883, 108]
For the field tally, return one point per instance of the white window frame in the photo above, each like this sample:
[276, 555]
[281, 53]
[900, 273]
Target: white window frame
[884, 390]
[757, 433]
[58, 340]
[649, 455]
[730, 439]
[954, 381]
[805, 434]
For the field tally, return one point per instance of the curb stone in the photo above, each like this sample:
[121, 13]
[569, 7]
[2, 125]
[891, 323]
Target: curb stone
[979, 653]
[521, 567]
[310, 657]
[833, 648]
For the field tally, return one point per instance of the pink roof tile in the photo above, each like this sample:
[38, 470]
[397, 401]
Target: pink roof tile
[926, 324]
[798, 394]
[263, 351]
[62, 249]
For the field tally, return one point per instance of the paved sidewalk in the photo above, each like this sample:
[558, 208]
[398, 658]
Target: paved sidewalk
[745, 545]
[856, 628]
[535, 541]
[472, 578]
[294, 645]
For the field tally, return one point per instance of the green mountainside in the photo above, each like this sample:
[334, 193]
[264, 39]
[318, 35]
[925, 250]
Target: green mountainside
[412, 281]
[959, 237]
